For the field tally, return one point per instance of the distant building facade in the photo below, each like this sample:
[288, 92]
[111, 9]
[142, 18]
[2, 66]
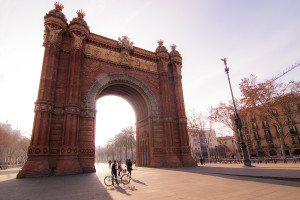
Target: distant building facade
[260, 132]
[202, 142]
[227, 147]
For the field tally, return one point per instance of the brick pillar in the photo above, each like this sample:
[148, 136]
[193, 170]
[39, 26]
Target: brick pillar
[185, 152]
[171, 158]
[68, 162]
[37, 163]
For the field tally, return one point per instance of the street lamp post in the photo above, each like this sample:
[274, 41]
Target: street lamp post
[238, 122]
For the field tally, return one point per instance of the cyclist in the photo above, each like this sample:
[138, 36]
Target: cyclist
[114, 171]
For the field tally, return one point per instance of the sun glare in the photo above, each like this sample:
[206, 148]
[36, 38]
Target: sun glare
[113, 114]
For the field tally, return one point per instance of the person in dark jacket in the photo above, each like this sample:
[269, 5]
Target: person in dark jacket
[114, 171]
[129, 167]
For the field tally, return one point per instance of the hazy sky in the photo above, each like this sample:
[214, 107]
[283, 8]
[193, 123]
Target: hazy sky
[261, 37]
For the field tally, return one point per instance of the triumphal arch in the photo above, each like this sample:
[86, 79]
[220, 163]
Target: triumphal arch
[79, 67]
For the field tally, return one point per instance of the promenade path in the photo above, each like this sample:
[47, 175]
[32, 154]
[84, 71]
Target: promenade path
[211, 181]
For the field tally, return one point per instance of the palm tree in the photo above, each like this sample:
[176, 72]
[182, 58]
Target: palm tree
[119, 140]
[129, 139]
[110, 148]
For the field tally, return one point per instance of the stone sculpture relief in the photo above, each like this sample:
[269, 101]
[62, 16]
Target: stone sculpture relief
[119, 58]
[53, 33]
[78, 40]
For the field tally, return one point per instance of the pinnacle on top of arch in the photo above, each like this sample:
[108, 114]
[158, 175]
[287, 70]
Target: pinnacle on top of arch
[160, 42]
[80, 14]
[174, 52]
[160, 47]
[173, 47]
[58, 6]
[57, 12]
[80, 19]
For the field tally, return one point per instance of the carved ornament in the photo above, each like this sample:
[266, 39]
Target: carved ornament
[178, 67]
[42, 107]
[165, 63]
[119, 58]
[78, 40]
[125, 43]
[72, 110]
[53, 33]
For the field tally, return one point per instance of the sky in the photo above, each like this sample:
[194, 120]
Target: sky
[259, 37]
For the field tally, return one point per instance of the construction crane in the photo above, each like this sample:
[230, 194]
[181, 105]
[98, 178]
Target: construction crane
[287, 70]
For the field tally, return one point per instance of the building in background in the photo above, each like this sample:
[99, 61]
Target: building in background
[259, 128]
[227, 147]
[203, 143]
[195, 144]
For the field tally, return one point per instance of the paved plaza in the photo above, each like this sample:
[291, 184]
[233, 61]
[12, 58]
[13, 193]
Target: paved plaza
[212, 181]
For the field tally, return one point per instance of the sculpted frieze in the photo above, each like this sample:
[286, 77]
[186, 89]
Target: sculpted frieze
[122, 58]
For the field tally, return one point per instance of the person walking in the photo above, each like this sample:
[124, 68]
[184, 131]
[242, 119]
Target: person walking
[201, 161]
[119, 168]
[114, 171]
[129, 167]
[109, 163]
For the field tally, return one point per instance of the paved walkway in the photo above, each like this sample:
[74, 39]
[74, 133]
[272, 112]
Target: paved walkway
[281, 171]
[212, 181]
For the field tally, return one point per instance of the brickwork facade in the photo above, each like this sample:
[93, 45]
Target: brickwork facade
[80, 67]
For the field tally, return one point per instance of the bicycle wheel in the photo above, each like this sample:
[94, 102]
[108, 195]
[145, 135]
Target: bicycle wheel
[108, 180]
[125, 179]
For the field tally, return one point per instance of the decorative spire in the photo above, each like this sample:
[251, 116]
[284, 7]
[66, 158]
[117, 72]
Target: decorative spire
[58, 6]
[57, 13]
[160, 42]
[174, 52]
[161, 47]
[80, 14]
[80, 20]
[173, 47]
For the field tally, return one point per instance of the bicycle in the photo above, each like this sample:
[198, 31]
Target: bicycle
[124, 178]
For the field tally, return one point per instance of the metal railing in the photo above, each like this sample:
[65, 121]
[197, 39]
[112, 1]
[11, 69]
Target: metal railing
[259, 160]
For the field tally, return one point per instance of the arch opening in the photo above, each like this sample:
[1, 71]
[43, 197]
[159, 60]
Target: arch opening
[113, 114]
[141, 99]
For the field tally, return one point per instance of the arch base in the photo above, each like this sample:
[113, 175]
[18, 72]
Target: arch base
[35, 168]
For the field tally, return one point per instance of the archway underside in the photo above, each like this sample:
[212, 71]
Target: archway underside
[142, 112]
[134, 98]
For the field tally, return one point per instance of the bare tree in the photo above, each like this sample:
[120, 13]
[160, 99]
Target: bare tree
[196, 125]
[269, 96]
[13, 146]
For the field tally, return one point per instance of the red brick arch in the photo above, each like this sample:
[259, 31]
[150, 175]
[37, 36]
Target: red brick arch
[80, 67]
[126, 86]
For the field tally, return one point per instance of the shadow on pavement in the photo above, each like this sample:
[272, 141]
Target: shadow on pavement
[137, 181]
[74, 187]
[121, 188]
[233, 173]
